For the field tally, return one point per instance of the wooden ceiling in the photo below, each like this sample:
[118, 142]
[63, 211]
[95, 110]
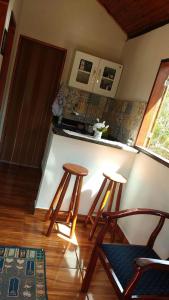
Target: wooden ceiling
[136, 17]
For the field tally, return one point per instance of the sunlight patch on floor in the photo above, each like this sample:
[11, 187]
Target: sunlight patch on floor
[63, 232]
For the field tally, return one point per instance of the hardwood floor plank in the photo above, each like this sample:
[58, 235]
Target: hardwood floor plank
[101, 288]
[18, 186]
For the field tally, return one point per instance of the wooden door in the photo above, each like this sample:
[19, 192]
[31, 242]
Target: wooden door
[36, 77]
[6, 56]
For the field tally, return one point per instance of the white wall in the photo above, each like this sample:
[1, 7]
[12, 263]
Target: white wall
[73, 24]
[148, 183]
[147, 188]
[141, 58]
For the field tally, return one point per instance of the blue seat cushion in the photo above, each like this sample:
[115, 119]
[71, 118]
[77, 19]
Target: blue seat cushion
[121, 259]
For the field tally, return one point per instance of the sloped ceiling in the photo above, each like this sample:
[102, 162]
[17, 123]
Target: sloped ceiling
[136, 17]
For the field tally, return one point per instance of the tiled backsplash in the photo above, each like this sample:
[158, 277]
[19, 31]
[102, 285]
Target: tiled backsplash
[124, 117]
[88, 106]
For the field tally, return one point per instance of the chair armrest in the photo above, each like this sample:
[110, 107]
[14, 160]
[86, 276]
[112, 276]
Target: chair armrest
[134, 211]
[148, 263]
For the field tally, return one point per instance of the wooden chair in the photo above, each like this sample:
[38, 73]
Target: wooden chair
[135, 272]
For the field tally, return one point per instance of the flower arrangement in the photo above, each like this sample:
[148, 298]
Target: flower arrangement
[99, 128]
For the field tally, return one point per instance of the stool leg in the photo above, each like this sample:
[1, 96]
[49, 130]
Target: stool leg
[54, 215]
[118, 197]
[117, 207]
[95, 201]
[79, 182]
[100, 210]
[72, 202]
[111, 198]
[57, 194]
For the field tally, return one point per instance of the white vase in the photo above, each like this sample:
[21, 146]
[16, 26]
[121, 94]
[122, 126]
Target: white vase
[97, 135]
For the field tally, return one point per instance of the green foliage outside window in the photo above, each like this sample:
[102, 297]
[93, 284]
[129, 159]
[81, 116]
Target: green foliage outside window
[159, 141]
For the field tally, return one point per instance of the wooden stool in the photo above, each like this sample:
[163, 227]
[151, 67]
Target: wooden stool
[114, 184]
[79, 172]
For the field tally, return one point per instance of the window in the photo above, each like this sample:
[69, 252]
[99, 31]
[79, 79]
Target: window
[154, 132]
[159, 138]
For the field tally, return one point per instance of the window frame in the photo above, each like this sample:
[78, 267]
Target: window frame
[151, 113]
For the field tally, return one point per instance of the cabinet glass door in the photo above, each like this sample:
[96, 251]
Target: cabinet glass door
[84, 71]
[107, 78]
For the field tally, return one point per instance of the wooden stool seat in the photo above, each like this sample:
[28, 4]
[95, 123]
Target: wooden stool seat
[111, 187]
[115, 177]
[79, 172]
[75, 169]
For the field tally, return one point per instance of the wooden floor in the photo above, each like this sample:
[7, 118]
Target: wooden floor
[19, 186]
[66, 263]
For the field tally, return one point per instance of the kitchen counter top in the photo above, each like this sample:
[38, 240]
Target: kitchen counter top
[91, 139]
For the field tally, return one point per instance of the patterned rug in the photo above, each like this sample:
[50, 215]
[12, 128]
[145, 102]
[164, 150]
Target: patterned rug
[22, 273]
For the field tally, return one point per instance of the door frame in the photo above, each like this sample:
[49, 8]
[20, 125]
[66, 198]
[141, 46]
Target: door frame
[7, 56]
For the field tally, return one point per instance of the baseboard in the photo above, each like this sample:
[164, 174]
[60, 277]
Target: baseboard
[40, 210]
[43, 211]
[120, 236]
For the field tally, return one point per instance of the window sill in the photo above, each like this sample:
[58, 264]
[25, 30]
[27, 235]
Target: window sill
[153, 155]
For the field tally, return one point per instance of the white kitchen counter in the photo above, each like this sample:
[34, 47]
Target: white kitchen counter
[101, 141]
[98, 158]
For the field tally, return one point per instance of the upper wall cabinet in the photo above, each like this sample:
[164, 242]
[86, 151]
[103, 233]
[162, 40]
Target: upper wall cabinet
[95, 75]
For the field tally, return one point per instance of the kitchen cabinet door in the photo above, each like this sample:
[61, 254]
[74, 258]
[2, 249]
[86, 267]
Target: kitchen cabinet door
[107, 78]
[84, 70]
